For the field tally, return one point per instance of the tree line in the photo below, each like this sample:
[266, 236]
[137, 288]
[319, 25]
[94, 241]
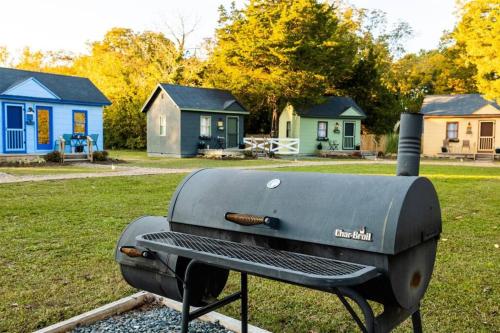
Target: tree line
[273, 52]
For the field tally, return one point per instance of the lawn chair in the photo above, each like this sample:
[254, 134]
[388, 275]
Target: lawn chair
[94, 138]
[333, 145]
[466, 144]
[446, 144]
[68, 141]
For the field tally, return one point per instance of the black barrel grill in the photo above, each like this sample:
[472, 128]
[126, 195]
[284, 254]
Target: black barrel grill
[356, 236]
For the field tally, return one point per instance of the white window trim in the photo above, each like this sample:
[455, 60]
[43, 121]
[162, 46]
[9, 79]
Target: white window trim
[325, 129]
[209, 125]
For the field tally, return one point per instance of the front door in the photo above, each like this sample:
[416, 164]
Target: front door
[348, 140]
[486, 136]
[232, 132]
[14, 130]
[43, 128]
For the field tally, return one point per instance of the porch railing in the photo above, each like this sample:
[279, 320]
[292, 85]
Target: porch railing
[485, 143]
[281, 146]
[14, 139]
[348, 142]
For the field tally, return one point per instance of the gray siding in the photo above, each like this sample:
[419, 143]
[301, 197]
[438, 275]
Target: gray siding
[169, 144]
[190, 130]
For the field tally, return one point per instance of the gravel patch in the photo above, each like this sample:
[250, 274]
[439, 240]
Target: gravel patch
[149, 319]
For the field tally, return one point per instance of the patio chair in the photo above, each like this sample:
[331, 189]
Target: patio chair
[68, 141]
[446, 144]
[466, 144]
[94, 138]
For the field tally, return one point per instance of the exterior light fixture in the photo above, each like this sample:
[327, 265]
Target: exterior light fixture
[469, 128]
[220, 124]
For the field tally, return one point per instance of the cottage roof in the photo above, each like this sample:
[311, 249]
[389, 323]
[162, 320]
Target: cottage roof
[198, 99]
[332, 107]
[67, 89]
[454, 105]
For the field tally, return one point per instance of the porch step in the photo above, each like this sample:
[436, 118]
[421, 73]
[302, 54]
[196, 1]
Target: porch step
[75, 157]
[484, 157]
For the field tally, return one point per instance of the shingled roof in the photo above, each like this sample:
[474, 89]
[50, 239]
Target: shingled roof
[332, 107]
[70, 89]
[198, 99]
[454, 105]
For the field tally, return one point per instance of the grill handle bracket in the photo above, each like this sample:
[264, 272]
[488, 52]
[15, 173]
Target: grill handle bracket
[250, 220]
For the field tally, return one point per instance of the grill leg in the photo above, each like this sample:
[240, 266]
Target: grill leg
[185, 298]
[187, 316]
[416, 320]
[244, 303]
[369, 319]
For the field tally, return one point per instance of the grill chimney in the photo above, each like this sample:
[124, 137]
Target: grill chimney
[410, 134]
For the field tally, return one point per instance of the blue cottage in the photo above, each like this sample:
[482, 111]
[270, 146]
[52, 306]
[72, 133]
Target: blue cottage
[39, 108]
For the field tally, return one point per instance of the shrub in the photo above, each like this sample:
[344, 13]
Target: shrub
[392, 143]
[101, 155]
[54, 156]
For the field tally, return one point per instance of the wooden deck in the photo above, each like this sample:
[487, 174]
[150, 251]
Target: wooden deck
[471, 156]
[222, 153]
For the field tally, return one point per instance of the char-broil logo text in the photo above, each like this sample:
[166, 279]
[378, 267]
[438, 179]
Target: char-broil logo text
[360, 234]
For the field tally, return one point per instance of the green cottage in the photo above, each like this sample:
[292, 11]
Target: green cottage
[335, 123]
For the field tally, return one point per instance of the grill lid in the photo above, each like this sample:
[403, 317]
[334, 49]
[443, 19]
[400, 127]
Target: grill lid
[383, 214]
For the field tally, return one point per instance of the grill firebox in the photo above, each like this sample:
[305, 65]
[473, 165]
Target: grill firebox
[357, 236]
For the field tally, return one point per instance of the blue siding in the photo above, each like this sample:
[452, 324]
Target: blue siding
[190, 130]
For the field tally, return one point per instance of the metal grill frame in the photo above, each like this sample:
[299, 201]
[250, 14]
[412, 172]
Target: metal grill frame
[312, 271]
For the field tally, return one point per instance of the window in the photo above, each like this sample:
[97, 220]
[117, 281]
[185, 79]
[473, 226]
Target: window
[452, 131]
[163, 125]
[80, 122]
[205, 126]
[322, 129]
[288, 129]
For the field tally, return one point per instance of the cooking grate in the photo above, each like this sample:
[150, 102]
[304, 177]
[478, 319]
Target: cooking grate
[253, 254]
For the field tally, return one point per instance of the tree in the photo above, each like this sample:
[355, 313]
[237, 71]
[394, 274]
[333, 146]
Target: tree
[4, 55]
[479, 31]
[126, 66]
[274, 52]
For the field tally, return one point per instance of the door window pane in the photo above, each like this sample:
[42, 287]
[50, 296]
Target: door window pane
[486, 129]
[43, 123]
[349, 129]
[79, 122]
[14, 116]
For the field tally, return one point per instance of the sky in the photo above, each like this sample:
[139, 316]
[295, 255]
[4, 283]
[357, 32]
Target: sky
[70, 25]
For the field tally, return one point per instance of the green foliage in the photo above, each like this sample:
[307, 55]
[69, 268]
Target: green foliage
[392, 143]
[479, 32]
[53, 156]
[126, 66]
[274, 52]
[101, 155]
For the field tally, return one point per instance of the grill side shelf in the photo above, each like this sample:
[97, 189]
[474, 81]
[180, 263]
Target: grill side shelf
[281, 265]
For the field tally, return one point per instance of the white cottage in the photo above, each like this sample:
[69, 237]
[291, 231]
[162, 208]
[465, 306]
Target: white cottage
[39, 108]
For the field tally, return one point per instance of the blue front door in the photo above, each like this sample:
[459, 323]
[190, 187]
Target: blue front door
[14, 130]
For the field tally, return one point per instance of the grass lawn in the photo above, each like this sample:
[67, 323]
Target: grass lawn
[57, 253]
[140, 159]
[50, 170]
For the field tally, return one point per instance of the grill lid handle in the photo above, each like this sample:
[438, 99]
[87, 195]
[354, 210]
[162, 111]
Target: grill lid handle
[249, 220]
